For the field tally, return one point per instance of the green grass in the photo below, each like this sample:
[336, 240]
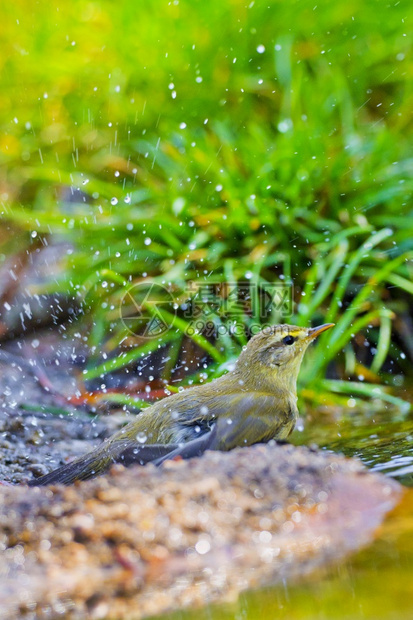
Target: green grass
[265, 140]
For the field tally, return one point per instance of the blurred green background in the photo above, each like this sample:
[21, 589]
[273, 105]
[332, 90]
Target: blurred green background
[177, 141]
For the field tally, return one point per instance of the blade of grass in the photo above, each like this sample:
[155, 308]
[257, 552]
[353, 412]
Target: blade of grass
[369, 390]
[124, 359]
[343, 282]
[126, 400]
[384, 341]
[186, 329]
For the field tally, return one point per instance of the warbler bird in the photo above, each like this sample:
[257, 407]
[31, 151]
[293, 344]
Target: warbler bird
[254, 402]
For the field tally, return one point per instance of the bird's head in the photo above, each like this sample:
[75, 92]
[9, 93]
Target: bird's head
[276, 353]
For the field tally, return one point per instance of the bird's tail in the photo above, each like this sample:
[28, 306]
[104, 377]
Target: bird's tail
[82, 468]
[98, 461]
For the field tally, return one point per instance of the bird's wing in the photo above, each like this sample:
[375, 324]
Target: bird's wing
[192, 448]
[243, 419]
[238, 420]
[229, 421]
[257, 418]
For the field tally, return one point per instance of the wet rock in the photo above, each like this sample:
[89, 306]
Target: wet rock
[146, 540]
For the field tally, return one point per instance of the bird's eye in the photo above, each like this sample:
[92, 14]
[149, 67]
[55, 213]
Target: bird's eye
[289, 340]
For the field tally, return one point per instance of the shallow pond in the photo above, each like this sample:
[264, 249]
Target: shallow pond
[375, 583]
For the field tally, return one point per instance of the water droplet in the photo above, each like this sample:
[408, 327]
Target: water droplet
[285, 125]
[202, 546]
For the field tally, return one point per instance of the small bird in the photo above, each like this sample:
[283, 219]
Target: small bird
[253, 403]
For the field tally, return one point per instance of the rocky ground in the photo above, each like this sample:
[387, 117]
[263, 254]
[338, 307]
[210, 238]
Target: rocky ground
[146, 540]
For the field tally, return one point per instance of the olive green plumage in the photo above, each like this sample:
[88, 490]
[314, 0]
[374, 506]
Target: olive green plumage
[253, 403]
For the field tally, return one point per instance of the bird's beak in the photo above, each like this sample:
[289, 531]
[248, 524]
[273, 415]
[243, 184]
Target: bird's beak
[313, 332]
